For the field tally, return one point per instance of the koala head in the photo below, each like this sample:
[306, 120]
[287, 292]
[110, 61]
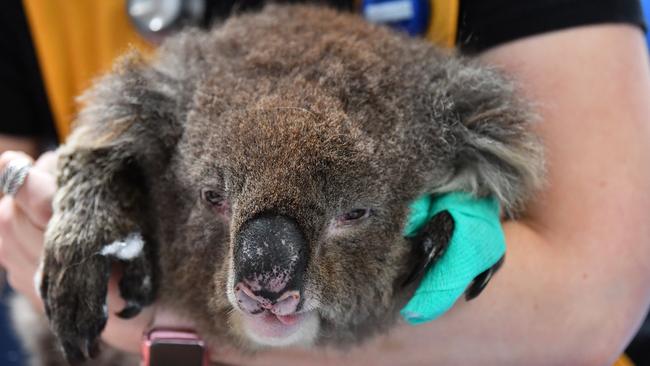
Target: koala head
[314, 210]
[280, 153]
[302, 150]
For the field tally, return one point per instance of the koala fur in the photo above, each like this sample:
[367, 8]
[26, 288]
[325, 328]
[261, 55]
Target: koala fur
[296, 112]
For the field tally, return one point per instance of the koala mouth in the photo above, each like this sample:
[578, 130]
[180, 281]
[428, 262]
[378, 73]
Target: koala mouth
[270, 329]
[275, 323]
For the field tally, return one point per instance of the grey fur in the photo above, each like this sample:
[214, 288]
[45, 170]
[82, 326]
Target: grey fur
[298, 110]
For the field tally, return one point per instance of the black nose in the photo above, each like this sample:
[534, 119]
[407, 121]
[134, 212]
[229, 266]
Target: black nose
[270, 256]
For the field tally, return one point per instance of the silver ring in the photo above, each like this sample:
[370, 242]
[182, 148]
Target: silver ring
[13, 176]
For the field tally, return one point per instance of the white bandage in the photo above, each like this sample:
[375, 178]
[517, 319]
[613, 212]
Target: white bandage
[126, 249]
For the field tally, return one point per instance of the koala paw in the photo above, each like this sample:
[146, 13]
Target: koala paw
[74, 295]
[74, 289]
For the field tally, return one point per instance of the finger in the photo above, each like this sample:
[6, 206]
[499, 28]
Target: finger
[8, 156]
[22, 281]
[125, 335]
[34, 197]
[19, 267]
[28, 235]
[10, 250]
[14, 256]
[14, 232]
[47, 162]
[16, 264]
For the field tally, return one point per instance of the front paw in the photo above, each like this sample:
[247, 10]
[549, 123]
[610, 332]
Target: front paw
[74, 290]
[74, 293]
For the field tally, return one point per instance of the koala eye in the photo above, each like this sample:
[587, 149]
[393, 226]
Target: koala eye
[212, 197]
[217, 202]
[353, 216]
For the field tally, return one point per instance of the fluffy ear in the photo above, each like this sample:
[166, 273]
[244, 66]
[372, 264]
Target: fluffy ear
[129, 126]
[140, 106]
[133, 112]
[496, 152]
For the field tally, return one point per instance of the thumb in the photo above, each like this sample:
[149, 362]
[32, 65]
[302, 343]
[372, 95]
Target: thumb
[124, 334]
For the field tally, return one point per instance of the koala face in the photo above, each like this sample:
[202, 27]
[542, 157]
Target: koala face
[313, 248]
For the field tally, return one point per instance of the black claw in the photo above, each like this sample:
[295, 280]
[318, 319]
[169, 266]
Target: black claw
[92, 348]
[131, 310]
[45, 281]
[430, 244]
[72, 353]
[75, 304]
[480, 282]
[94, 331]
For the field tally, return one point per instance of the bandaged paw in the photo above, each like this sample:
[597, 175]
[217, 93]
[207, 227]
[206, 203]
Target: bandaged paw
[476, 245]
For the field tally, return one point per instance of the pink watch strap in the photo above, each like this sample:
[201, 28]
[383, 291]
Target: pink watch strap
[171, 342]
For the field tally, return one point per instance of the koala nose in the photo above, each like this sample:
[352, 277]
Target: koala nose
[270, 258]
[285, 304]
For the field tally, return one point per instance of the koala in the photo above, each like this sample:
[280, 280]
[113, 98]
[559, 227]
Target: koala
[256, 179]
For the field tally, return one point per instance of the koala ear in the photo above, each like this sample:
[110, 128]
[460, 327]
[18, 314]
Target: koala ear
[496, 151]
[131, 112]
[140, 106]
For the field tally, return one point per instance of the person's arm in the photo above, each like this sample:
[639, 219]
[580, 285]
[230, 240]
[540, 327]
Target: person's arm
[587, 237]
[576, 281]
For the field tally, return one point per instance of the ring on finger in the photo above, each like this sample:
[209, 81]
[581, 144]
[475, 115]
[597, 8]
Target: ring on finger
[13, 176]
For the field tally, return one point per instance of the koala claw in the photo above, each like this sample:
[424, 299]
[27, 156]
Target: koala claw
[75, 298]
[478, 284]
[431, 242]
[76, 356]
[73, 353]
[137, 286]
[131, 310]
[74, 292]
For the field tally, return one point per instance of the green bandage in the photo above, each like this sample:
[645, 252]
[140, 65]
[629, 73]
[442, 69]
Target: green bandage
[477, 243]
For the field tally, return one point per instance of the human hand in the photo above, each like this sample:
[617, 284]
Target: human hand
[23, 219]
